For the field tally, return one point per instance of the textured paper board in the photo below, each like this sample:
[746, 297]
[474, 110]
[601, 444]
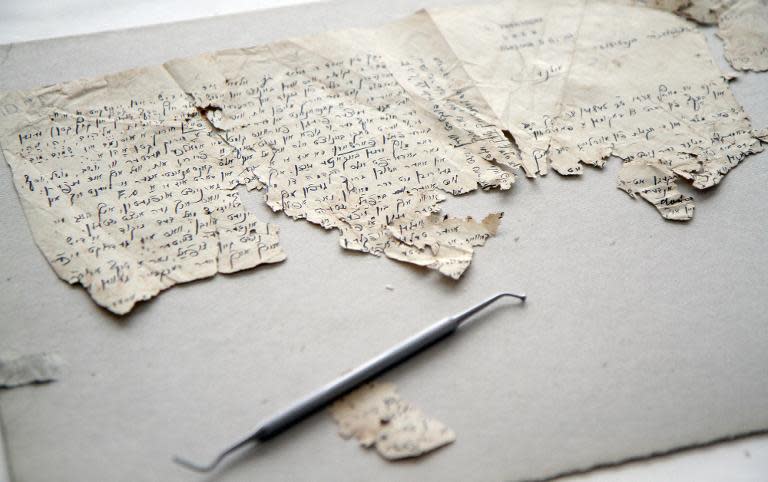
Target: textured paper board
[639, 335]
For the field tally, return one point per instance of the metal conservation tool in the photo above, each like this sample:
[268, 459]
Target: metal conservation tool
[330, 392]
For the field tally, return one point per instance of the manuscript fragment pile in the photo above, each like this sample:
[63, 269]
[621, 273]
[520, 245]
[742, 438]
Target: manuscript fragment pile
[129, 181]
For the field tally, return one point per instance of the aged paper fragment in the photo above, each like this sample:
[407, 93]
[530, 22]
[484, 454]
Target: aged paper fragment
[376, 416]
[358, 130]
[128, 180]
[705, 12]
[126, 189]
[27, 369]
[440, 242]
[743, 27]
[564, 79]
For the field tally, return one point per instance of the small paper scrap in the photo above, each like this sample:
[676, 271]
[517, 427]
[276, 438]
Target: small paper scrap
[376, 416]
[27, 369]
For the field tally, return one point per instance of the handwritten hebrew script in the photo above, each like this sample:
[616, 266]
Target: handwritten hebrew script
[575, 85]
[126, 189]
[355, 139]
[128, 181]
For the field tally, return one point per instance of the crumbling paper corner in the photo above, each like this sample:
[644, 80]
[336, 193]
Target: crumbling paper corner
[743, 26]
[29, 369]
[439, 241]
[375, 415]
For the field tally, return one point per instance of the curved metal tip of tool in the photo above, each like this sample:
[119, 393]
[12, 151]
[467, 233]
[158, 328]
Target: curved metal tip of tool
[215, 463]
[197, 468]
[519, 296]
[461, 317]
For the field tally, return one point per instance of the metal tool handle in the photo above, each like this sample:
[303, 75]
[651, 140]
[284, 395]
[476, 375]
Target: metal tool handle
[335, 389]
[330, 392]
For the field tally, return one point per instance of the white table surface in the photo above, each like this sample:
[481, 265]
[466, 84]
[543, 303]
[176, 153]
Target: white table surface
[742, 460]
